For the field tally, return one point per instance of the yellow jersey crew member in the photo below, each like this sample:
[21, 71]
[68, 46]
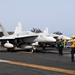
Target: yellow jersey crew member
[64, 42]
[72, 47]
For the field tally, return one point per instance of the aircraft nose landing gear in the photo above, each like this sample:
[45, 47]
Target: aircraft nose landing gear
[33, 49]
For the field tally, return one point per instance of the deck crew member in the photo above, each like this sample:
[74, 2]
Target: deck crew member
[60, 46]
[72, 41]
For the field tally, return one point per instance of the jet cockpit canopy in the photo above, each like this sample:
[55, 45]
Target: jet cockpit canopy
[58, 33]
[36, 30]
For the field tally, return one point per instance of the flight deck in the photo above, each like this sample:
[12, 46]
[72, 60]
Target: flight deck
[42, 62]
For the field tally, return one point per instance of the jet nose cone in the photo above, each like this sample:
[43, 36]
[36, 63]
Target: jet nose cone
[51, 39]
[54, 40]
[68, 38]
[64, 37]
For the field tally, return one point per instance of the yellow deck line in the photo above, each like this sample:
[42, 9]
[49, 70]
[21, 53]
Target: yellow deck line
[41, 67]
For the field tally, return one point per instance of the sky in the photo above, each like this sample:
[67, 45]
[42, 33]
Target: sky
[57, 15]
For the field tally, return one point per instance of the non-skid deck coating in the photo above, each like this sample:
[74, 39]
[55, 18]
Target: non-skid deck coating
[40, 63]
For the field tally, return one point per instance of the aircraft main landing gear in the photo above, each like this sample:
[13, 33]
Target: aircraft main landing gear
[10, 49]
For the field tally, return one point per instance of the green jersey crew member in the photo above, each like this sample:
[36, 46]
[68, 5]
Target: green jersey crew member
[60, 46]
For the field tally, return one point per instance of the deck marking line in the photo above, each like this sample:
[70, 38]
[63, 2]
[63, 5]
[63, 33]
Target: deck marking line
[39, 67]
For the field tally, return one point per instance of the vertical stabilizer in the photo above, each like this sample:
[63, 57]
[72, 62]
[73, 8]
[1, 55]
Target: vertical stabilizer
[18, 28]
[46, 31]
[4, 30]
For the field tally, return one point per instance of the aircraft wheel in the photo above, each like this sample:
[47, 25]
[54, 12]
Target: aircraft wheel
[32, 51]
[43, 48]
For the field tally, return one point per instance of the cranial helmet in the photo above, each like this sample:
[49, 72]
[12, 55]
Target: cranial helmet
[73, 36]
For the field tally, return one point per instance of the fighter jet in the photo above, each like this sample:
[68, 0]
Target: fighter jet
[24, 39]
[18, 39]
[41, 40]
[61, 36]
[57, 35]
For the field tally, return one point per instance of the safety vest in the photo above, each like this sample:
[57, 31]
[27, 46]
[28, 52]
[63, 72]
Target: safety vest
[60, 44]
[72, 42]
[64, 41]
